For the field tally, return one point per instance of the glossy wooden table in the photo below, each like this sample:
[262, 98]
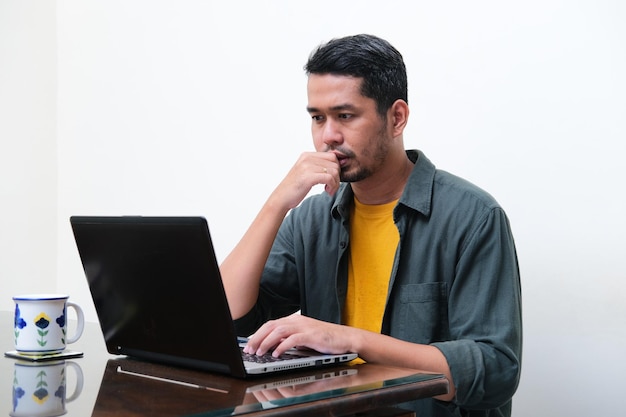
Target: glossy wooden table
[120, 386]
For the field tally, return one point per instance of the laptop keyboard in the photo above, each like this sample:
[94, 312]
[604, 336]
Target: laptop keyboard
[267, 358]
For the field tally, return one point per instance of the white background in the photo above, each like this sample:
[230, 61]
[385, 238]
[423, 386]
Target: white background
[197, 108]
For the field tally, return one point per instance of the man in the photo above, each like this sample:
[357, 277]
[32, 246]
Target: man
[400, 262]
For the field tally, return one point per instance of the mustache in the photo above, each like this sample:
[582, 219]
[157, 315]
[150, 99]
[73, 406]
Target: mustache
[339, 150]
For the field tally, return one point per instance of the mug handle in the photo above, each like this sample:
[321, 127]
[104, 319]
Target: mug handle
[79, 380]
[80, 325]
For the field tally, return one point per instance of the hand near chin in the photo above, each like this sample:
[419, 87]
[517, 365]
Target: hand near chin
[311, 168]
[299, 331]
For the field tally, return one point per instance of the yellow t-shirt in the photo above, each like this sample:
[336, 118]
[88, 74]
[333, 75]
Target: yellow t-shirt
[373, 242]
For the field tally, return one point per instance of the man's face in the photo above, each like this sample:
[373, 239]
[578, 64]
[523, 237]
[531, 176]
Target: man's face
[346, 123]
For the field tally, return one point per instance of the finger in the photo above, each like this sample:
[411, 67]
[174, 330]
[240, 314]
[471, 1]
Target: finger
[331, 179]
[287, 391]
[332, 186]
[257, 338]
[269, 336]
[273, 340]
[260, 396]
[272, 394]
[297, 339]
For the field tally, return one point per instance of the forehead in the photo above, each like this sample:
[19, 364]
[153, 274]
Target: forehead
[332, 90]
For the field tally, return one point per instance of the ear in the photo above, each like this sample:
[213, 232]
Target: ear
[399, 116]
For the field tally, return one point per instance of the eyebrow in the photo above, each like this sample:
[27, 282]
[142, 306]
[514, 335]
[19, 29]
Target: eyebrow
[339, 107]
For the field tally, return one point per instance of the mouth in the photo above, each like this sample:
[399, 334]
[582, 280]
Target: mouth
[342, 158]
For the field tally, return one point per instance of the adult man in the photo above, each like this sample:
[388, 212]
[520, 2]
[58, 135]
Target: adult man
[402, 263]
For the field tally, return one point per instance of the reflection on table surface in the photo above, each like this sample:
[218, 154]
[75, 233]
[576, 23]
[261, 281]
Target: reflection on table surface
[40, 389]
[100, 384]
[152, 388]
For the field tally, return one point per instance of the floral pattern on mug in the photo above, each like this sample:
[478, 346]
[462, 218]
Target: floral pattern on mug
[42, 321]
[60, 392]
[18, 392]
[41, 394]
[19, 322]
[61, 322]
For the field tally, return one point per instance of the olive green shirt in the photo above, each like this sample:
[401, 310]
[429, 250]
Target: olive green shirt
[454, 284]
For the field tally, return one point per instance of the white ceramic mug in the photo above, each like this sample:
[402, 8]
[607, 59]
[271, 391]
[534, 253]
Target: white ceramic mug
[39, 389]
[40, 325]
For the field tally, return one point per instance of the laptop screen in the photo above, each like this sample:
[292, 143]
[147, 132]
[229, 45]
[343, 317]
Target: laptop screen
[157, 290]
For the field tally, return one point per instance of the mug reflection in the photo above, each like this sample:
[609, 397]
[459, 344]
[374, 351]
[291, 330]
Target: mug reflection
[40, 389]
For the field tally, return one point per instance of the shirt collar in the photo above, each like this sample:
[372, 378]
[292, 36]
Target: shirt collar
[418, 191]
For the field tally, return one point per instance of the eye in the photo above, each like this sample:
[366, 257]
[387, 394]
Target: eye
[345, 115]
[317, 117]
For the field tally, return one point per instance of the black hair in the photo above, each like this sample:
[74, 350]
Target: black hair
[373, 59]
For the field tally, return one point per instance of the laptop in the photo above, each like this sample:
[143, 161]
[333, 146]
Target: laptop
[158, 294]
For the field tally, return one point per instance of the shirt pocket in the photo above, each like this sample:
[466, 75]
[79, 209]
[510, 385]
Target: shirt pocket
[422, 316]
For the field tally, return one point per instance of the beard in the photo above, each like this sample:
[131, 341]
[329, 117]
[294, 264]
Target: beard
[376, 151]
[355, 175]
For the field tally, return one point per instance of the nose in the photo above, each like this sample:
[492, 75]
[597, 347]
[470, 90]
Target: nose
[331, 134]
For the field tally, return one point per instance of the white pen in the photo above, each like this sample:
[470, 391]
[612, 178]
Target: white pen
[171, 381]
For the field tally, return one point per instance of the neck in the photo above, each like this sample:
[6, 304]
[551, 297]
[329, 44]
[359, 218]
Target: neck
[387, 184]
